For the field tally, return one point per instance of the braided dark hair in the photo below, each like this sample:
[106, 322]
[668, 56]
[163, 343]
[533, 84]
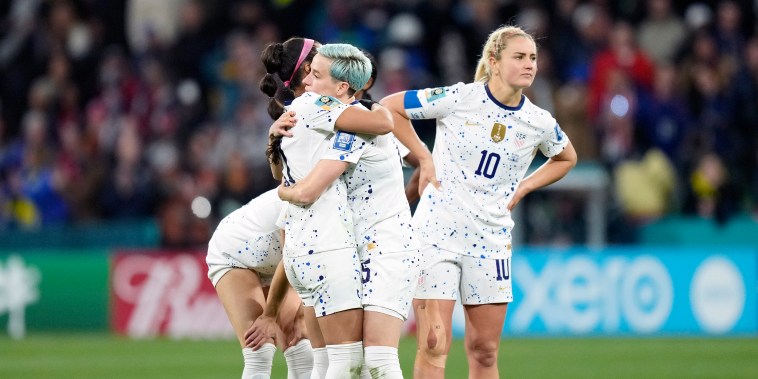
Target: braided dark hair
[280, 60]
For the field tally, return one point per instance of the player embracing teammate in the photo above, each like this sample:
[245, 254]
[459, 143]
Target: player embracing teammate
[350, 251]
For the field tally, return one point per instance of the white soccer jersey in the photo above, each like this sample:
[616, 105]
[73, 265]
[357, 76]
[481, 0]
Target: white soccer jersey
[326, 224]
[376, 188]
[482, 150]
[247, 238]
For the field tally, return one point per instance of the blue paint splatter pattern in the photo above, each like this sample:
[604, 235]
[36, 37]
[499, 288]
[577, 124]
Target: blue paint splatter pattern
[482, 151]
[248, 238]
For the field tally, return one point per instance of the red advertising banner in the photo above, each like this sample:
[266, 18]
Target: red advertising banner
[161, 294]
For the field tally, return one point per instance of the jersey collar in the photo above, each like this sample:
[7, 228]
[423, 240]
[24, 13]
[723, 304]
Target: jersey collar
[501, 105]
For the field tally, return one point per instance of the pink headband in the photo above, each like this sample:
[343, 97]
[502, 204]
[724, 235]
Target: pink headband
[307, 45]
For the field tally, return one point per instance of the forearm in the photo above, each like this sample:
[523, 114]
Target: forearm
[310, 188]
[294, 194]
[377, 121]
[403, 128]
[549, 173]
[277, 292]
[411, 189]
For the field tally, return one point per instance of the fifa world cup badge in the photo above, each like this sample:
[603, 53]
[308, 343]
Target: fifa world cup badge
[326, 102]
[435, 94]
[498, 132]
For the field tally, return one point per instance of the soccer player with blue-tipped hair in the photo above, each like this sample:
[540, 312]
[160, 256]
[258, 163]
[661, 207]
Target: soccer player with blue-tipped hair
[320, 256]
[381, 214]
[486, 137]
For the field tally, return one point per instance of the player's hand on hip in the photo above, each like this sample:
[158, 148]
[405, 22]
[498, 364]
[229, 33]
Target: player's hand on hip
[281, 127]
[428, 175]
[263, 331]
[520, 193]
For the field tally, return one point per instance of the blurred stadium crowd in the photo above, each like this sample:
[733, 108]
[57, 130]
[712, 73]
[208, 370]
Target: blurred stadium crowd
[115, 109]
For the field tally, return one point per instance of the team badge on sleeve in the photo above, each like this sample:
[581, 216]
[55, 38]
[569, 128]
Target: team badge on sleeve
[435, 94]
[498, 132]
[327, 102]
[343, 141]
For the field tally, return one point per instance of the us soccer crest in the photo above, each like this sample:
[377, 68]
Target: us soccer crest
[326, 102]
[498, 132]
[435, 94]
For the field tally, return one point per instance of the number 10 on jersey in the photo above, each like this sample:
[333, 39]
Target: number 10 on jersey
[488, 164]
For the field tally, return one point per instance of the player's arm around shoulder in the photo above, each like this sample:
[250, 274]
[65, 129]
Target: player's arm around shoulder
[310, 188]
[357, 119]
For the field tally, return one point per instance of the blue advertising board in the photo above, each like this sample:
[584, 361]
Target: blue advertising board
[631, 291]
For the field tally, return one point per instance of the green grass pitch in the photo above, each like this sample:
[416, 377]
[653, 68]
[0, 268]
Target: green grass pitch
[84, 356]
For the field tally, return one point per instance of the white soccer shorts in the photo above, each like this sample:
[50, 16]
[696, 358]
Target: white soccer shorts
[329, 281]
[389, 281]
[448, 276]
[259, 253]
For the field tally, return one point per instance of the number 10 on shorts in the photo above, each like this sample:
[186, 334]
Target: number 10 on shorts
[503, 269]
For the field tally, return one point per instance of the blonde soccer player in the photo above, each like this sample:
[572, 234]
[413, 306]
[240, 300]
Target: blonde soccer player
[487, 133]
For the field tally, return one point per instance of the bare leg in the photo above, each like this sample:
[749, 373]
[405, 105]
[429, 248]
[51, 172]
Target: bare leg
[342, 327]
[314, 331]
[434, 319]
[343, 334]
[380, 329]
[241, 295]
[484, 326]
[381, 335]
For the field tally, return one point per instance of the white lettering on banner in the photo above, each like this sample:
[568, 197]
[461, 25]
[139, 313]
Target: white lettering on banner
[18, 289]
[647, 294]
[580, 295]
[717, 294]
[166, 296]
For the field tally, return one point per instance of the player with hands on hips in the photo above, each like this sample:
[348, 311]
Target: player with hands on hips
[487, 133]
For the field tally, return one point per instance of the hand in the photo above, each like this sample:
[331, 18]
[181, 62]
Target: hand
[298, 331]
[411, 189]
[427, 175]
[521, 191]
[282, 191]
[281, 127]
[263, 331]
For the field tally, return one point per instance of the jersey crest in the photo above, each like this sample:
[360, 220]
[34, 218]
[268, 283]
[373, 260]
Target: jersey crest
[343, 141]
[435, 94]
[498, 132]
[520, 139]
[327, 102]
